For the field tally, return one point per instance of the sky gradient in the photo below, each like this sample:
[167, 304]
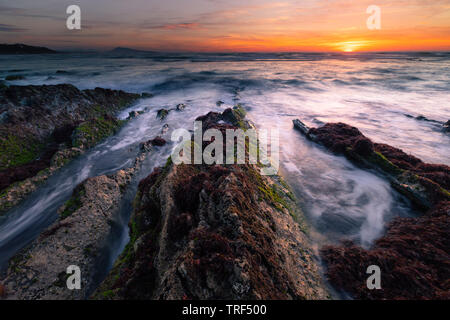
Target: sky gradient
[230, 25]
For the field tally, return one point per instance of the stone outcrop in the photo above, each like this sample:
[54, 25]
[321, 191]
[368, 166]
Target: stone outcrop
[76, 238]
[44, 127]
[215, 232]
[414, 254]
[424, 184]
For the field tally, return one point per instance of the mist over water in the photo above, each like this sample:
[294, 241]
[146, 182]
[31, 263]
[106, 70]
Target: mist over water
[381, 94]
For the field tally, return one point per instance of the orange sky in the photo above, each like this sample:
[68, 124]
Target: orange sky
[231, 25]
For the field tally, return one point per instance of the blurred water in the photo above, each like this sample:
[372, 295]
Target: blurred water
[374, 92]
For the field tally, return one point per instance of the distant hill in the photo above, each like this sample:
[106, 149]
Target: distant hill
[19, 48]
[122, 50]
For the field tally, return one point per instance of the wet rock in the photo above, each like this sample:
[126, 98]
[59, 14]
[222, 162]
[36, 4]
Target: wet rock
[147, 146]
[303, 128]
[165, 128]
[180, 107]
[446, 126]
[133, 114]
[424, 184]
[158, 141]
[413, 255]
[233, 116]
[214, 232]
[219, 103]
[162, 113]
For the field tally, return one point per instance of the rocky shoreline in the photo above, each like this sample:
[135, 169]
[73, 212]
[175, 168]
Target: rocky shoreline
[77, 237]
[204, 231]
[197, 232]
[43, 127]
[414, 254]
[214, 232]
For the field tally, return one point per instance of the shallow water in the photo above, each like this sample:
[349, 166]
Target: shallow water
[374, 92]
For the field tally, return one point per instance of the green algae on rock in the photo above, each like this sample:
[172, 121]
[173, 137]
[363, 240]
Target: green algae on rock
[43, 127]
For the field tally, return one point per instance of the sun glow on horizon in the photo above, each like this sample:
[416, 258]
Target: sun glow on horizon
[234, 26]
[350, 46]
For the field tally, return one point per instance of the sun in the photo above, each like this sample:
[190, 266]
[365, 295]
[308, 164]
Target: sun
[349, 46]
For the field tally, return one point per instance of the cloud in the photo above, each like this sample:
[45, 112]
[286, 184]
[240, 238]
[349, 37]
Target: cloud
[11, 28]
[174, 26]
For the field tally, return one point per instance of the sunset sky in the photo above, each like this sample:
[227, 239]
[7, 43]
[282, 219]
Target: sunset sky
[229, 25]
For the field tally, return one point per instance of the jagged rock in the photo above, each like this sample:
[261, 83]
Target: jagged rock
[214, 232]
[414, 253]
[162, 113]
[76, 238]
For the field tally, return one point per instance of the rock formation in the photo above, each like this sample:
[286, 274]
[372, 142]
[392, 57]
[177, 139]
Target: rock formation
[76, 238]
[414, 254]
[44, 127]
[214, 232]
